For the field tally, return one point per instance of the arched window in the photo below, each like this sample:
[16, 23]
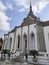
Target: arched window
[25, 38]
[18, 41]
[32, 41]
[10, 42]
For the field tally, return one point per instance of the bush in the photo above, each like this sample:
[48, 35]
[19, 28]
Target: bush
[33, 53]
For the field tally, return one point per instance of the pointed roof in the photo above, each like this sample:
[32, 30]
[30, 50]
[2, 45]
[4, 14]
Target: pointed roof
[30, 17]
[31, 12]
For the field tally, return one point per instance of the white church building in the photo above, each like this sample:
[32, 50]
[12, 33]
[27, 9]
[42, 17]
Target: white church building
[31, 34]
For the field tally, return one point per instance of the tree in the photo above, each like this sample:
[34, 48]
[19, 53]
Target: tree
[5, 51]
[34, 53]
[1, 42]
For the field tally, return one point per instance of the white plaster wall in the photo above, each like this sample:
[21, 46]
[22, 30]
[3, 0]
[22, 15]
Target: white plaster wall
[32, 28]
[46, 32]
[12, 36]
[5, 42]
[24, 31]
[18, 32]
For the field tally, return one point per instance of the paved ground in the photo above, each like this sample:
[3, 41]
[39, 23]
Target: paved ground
[14, 63]
[17, 63]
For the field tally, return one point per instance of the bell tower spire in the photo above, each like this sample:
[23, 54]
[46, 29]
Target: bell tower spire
[30, 8]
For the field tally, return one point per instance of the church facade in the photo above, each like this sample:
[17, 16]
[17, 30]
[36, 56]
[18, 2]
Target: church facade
[31, 34]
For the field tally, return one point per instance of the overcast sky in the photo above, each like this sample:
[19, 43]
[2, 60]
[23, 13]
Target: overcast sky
[12, 12]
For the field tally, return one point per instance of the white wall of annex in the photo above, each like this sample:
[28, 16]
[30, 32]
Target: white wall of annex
[46, 36]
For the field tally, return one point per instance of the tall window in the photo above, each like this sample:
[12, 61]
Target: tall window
[32, 42]
[25, 38]
[18, 41]
[26, 43]
[10, 42]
